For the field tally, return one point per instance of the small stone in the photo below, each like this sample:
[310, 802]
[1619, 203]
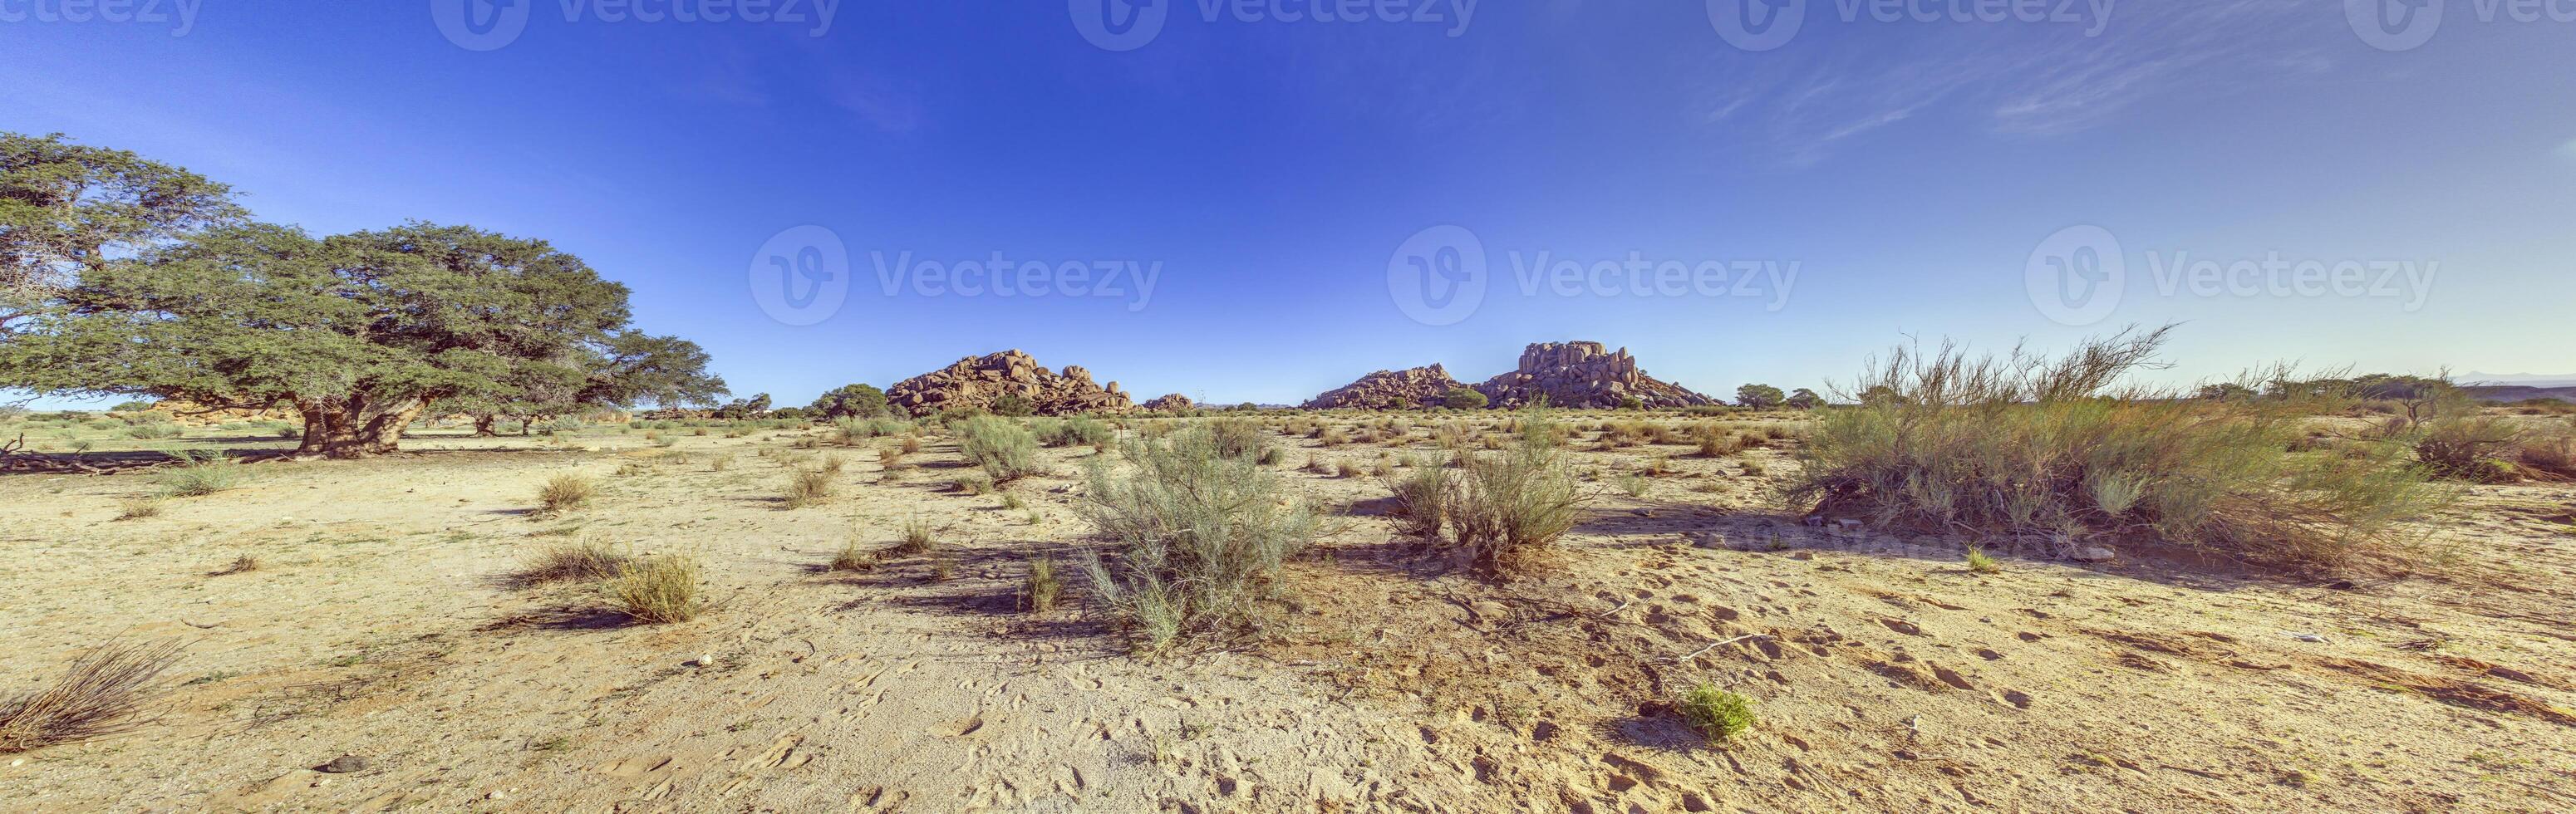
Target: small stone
[343, 764]
[2093, 553]
[703, 660]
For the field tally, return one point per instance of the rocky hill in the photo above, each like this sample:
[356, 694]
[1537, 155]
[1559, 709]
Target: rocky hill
[1583, 374]
[1408, 389]
[978, 381]
[1173, 403]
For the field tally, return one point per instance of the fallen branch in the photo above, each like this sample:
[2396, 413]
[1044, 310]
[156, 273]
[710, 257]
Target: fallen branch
[1696, 653]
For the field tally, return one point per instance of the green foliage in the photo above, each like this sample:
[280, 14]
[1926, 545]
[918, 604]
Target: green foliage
[1716, 714]
[2057, 447]
[1760, 396]
[132, 407]
[1461, 398]
[67, 209]
[1078, 431]
[1014, 405]
[851, 401]
[1006, 450]
[202, 474]
[1804, 399]
[1195, 536]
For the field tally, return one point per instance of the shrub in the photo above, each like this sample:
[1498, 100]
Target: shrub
[102, 693]
[1980, 563]
[1001, 446]
[806, 487]
[2034, 446]
[917, 539]
[2549, 452]
[1424, 497]
[1461, 398]
[1513, 504]
[657, 589]
[138, 509]
[973, 484]
[2468, 447]
[1039, 591]
[1239, 438]
[581, 561]
[1195, 536]
[1716, 714]
[154, 431]
[1078, 431]
[1014, 405]
[566, 492]
[854, 558]
[202, 474]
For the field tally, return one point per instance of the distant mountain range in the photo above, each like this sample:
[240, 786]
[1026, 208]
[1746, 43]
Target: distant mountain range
[2520, 379]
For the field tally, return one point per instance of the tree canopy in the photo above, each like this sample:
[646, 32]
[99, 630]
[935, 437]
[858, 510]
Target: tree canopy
[67, 208]
[359, 333]
[848, 401]
[1760, 396]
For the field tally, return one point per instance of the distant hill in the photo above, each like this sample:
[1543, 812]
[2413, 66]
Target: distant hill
[2518, 392]
[2514, 379]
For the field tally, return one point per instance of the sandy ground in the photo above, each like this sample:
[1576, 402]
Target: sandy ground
[381, 623]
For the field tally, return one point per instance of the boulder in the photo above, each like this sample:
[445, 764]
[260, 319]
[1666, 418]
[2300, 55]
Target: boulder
[1410, 389]
[1583, 374]
[977, 382]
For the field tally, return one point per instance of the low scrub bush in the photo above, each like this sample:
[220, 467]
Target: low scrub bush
[1716, 714]
[1078, 431]
[806, 487]
[2025, 445]
[566, 492]
[1195, 536]
[658, 589]
[1006, 450]
[202, 474]
[577, 561]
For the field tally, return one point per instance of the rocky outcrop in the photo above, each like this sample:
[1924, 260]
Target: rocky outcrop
[976, 382]
[1174, 403]
[1583, 374]
[1410, 389]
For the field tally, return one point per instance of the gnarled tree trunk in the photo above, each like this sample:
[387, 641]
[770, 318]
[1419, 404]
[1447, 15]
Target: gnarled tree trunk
[356, 426]
[483, 425]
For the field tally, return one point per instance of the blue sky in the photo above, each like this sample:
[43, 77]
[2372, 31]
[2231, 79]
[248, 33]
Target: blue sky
[1272, 171]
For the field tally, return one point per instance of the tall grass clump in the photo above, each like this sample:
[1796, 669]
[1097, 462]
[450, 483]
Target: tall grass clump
[202, 474]
[566, 492]
[1006, 450]
[658, 589]
[576, 561]
[806, 487]
[1425, 495]
[1503, 506]
[2026, 445]
[104, 692]
[1194, 537]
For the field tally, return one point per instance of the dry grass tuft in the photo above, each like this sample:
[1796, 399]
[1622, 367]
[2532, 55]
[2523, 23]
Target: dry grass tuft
[566, 492]
[575, 561]
[103, 693]
[658, 589]
[806, 487]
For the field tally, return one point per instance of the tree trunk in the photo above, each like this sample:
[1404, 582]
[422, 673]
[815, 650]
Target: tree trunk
[483, 425]
[357, 426]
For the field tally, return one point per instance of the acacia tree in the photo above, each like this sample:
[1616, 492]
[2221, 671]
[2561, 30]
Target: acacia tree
[859, 400]
[358, 333]
[1805, 399]
[66, 209]
[1760, 396]
[626, 369]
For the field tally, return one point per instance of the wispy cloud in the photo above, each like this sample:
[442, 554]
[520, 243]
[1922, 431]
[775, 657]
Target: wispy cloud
[1846, 80]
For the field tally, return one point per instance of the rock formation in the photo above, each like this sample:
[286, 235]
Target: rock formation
[1174, 403]
[1583, 374]
[1410, 389]
[978, 381]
